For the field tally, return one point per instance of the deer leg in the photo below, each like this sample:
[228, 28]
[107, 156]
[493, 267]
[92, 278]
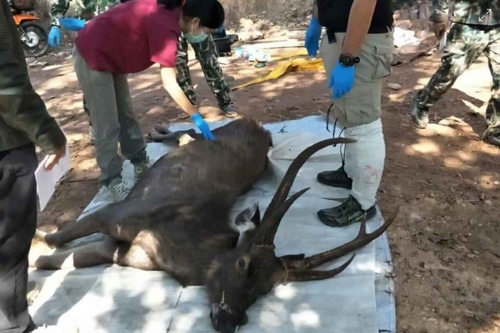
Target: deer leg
[162, 129]
[89, 225]
[88, 255]
[108, 251]
[132, 255]
[116, 221]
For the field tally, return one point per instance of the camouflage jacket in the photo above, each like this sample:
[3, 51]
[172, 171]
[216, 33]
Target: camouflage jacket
[86, 9]
[23, 114]
[474, 12]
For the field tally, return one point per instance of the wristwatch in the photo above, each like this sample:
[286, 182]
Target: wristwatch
[348, 60]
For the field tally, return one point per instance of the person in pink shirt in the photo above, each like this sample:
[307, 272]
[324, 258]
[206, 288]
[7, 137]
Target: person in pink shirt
[126, 39]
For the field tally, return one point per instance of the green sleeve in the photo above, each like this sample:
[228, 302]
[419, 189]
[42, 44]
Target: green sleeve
[439, 11]
[21, 107]
[57, 10]
[103, 5]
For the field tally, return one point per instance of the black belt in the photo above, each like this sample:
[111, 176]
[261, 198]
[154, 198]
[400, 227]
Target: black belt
[330, 33]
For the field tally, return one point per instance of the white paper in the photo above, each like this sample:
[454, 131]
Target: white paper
[46, 179]
[442, 41]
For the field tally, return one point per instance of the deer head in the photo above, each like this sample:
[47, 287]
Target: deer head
[238, 279]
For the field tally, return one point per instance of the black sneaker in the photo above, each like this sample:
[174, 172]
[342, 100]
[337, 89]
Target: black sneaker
[337, 178]
[492, 136]
[347, 213]
[419, 116]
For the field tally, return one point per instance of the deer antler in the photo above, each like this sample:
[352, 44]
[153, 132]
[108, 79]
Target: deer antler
[301, 269]
[278, 203]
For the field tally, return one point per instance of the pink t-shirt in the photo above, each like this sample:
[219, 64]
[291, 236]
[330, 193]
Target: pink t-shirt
[130, 37]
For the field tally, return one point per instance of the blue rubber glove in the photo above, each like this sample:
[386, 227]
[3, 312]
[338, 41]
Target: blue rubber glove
[341, 80]
[203, 126]
[72, 23]
[312, 37]
[54, 36]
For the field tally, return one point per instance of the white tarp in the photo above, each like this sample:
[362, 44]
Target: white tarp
[125, 300]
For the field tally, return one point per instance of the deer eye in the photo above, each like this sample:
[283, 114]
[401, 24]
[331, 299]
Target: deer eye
[241, 263]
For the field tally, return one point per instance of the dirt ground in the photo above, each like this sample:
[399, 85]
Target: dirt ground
[445, 241]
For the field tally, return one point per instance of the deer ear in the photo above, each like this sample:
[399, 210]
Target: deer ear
[246, 223]
[256, 215]
[250, 214]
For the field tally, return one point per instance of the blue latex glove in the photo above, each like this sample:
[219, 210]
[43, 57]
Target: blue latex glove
[54, 36]
[72, 23]
[312, 37]
[341, 80]
[203, 126]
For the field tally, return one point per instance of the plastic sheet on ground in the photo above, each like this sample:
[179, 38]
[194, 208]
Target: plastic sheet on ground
[126, 300]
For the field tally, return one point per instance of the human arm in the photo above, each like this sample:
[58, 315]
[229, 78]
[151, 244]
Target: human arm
[169, 81]
[439, 11]
[313, 32]
[57, 10]
[439, 17]
[183, 72]
[72, 24]
[163, 42]
[342, 77]
[360, 18]
[168, 78]
[21, 108]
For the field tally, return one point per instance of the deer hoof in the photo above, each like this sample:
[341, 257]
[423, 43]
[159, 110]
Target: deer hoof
[162, 129]
[40, 235]
[185, 139]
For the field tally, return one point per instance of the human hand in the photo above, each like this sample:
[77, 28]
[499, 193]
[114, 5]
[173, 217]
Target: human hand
[54, 158]
[439, 29]
[72, 24]
[202, 125]
[341, 80]
[54, 36]
[312, 37]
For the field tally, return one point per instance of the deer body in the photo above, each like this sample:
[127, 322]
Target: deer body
[176, 219]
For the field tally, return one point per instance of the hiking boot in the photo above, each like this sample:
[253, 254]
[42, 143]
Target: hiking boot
[91, 135]
[140, 168]
[337, 178]
[229, 110]
[54, 329]
[118, 189]
[419, 116]
[492, 136]
[347, 213]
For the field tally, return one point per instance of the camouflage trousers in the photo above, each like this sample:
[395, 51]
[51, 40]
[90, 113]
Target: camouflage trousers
[465, 43]
[206, 54]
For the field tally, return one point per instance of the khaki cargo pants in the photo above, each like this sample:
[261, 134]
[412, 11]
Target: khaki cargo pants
[361, 105]
[359, 112]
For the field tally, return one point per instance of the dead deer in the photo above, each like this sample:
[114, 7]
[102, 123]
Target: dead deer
[176, 219]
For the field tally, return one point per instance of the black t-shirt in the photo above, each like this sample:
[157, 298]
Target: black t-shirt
[334, 15]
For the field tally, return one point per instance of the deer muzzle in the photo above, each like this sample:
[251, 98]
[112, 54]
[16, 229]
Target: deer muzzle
[227, 320]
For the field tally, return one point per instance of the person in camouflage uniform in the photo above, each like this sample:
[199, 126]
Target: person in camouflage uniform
[206, 54]
[86, 10]
[475, 29]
